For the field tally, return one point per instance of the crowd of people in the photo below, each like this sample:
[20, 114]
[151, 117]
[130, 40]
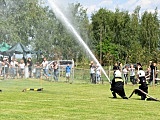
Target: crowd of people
[54, 69]
[11, 68]
[95, 73]
[129, 72]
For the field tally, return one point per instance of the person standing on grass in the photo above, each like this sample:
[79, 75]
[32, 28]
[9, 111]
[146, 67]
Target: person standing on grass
[55, 70]
[92, 72]
[154, 73]
[132, 74]
[45, 67]
[125, 74]
[29, 63]
[21, 68]
[147, 74]
[117, 85]
[68, 72]
[6, 67]
[38, 70]
[1, 64]
[98, 74]
[13, 65]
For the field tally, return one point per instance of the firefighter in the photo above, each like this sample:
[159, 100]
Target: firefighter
[117, 85]
[143, 83]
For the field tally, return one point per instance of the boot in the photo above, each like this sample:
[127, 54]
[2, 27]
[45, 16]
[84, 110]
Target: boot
[114, 94]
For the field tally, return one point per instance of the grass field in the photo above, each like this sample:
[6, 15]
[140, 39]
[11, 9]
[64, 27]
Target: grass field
[64, 101]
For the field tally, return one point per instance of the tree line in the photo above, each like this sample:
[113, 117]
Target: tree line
[112, 35]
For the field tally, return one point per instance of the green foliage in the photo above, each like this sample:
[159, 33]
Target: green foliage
[112, 36]
[32, 23]
[131, 37]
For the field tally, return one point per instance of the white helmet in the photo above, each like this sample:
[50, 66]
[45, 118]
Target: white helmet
[117, 73]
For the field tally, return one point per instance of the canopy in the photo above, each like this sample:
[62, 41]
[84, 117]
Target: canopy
[4, 47]
[18, 48]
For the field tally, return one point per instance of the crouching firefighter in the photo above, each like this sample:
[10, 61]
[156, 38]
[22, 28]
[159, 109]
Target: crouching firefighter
[143, 84]
[117, 85]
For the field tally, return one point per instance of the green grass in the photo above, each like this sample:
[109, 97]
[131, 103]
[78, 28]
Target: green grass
[63, 101]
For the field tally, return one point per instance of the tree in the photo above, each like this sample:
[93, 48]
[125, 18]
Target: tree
[149, 36]
[126, 38]
[102, 33]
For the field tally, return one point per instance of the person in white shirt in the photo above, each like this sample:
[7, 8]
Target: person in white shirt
[13, 65]
[1, 64]
[125, 74]
[45, 67]
[92, 72]
[132, 74]
[6, 67]
[21, 68]
[98, 74]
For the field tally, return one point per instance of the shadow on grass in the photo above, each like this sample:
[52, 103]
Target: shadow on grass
[115, 98]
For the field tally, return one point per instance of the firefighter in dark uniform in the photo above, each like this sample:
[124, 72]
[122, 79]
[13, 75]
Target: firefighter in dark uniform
[143, 83]
[117, 85]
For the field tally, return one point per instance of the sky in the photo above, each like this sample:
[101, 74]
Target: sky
[129, 5]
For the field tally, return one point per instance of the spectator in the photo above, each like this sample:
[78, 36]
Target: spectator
[38, 70]
[125, 74]
[154, 73]
[6, 67]
[29, 63]
[68, 72]
[45, 67]
[1, 64]
[13, 65]
[92, 72]
[132, 74]
[98, 74]
[148, 73]
[55, 70]
[21, 68]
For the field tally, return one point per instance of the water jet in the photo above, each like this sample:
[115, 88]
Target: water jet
[66, 22]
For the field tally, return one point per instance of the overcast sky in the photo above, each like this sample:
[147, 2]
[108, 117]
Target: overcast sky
[130, 5]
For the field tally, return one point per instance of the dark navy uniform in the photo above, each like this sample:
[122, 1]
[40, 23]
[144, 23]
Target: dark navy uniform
[143, 84]
[117, 85]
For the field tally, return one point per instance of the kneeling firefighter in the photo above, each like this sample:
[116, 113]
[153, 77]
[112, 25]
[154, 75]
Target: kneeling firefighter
[117, 85]
[143, 83]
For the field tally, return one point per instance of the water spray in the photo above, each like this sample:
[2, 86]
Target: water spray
[66, 22]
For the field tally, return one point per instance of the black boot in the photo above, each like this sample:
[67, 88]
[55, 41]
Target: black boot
[124, 97]
[143, 97]
[114, 94]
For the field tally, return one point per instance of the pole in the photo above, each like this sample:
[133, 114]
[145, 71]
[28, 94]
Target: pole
[153, 78]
